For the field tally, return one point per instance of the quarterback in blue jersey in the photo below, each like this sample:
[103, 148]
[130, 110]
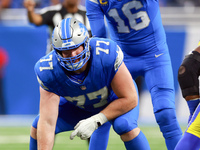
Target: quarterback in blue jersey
[188, 77]
[85, 85]
[136, 26]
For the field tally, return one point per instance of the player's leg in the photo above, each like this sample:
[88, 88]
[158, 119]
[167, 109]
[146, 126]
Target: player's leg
[191, 137]
[126, 126]
[131, 135]
[159, 81]
[68, 117]
[169, 126]
[33, 136]
[100, 137]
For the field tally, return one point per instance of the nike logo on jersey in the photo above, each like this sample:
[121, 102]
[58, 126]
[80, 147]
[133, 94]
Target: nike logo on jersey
[158, 55]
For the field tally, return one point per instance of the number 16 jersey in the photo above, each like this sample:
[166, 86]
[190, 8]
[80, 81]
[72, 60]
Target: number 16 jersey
[135, 25]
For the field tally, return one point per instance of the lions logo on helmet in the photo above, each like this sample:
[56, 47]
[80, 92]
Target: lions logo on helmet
[70, 34]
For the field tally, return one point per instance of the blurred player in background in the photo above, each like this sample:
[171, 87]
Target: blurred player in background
[3, 63]
[84, 84]
[5, 4]
[53, 14]
[188, 77]
[137, 28]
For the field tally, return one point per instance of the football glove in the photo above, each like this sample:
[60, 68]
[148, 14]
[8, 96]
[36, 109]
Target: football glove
[86, 127]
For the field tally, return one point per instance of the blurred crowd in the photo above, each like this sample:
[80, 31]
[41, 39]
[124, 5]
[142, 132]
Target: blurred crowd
[19, 3]
[45, 3]
[39, 3]
[177, 3]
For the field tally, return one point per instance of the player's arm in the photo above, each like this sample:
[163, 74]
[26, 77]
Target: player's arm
[123, 86]
[189, 97]
[96, 18]
[49, 103]
[188, 77]
[32, 16]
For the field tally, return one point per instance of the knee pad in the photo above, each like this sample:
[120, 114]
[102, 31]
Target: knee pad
[162, 98]
[123, 125]
[34, 124]
[167, 121]
[188, 74]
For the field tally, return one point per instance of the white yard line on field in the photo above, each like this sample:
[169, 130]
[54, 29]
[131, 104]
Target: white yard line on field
[10, 139]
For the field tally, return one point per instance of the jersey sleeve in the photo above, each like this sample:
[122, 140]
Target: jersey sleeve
[119, 58]
[115, 60]
[44, 75]
[96, 18]
[42, 84]
[112, 57]
[39, 76]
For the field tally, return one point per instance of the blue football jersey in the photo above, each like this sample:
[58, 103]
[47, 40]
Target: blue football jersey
[135, 25]
[95, 92]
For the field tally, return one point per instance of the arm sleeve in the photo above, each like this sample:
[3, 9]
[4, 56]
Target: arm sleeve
[96, 18]
[42, 84]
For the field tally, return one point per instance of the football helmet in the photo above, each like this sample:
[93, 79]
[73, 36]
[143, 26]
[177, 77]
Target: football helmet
[70, 34]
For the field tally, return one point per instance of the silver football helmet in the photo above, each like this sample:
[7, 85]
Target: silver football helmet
[70, 34]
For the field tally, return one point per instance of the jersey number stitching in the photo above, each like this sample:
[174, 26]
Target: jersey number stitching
[101, 49]
[50, 63]
[103, 93]
[132, 18]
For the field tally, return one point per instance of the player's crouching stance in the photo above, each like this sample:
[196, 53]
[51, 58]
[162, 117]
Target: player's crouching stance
[84, 85]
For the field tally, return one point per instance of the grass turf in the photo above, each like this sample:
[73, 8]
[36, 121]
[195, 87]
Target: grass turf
[17, 138]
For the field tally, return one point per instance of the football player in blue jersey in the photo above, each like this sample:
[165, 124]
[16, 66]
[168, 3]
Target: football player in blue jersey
[85, 85]
[188, 77]
[136, 26]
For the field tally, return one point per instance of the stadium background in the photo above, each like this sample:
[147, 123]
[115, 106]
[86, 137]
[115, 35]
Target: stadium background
[26, 43]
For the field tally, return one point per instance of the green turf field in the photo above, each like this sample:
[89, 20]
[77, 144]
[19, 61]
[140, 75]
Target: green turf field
[17, 138]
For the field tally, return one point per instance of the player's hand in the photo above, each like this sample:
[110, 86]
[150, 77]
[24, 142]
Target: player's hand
[86, 127]
[29, 5]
